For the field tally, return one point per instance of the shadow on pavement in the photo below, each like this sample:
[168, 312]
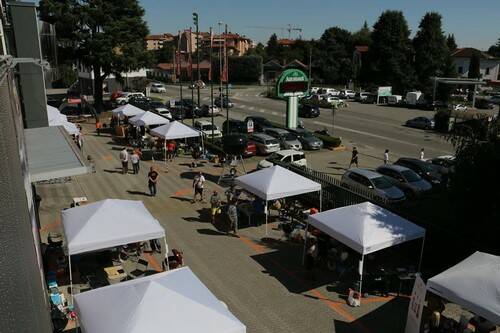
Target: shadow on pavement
[112, 171]
[138, 193]
[210, 232]
[182, 198]
[387, 318]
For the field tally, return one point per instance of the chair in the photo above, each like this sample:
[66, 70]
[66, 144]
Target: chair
[140, 268]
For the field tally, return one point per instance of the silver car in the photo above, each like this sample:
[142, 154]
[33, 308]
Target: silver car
[373, 181]
[265, 144]
[287, 140]
[307, 139]
[406, 179]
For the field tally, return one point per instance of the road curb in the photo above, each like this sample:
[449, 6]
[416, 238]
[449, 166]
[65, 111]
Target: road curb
[339, 148]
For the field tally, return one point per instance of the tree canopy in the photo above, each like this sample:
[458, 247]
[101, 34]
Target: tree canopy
[494, 50]
[334, 55]
[106, 36]
[451, 43]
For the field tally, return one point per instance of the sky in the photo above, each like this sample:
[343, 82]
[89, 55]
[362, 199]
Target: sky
[475, 23]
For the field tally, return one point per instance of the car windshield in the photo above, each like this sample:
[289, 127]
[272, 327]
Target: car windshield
[274, 156]
[272, 142]
[307, 134]
[289, 136]
[381, 183]
[157, 104]
[410, 176]
[208, 127]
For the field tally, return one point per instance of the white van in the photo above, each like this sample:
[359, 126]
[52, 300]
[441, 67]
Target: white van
[287, 156]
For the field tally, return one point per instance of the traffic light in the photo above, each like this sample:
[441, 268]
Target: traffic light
[195, 18]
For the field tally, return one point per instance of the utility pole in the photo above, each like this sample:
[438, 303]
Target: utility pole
[226, 98]
[310, 69]
[220, 62]
[179, 64]
[195, 20]
[191, 73]
[211, 82]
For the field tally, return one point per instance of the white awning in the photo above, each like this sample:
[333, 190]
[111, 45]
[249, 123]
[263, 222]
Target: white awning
[108, 223]
[55, 118]
[127, 110]
[276, 182]
[473, 284]
[173, 301]
[365, 227]
[175, 130]
[53, 154]
[148, 118]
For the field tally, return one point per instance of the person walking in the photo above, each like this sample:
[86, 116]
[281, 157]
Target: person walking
[152, 181]
[215, 203]
[134, 159]
[232, 215]
[98, 126]
[198, 184]
[422, 154]
[354, 157]
[124, 159]
[170, 150]
[386, 156]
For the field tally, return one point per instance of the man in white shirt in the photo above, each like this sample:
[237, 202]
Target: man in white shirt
[422, 154]
[134, 159]
[124, 159]
[386, 156]
[198, 184]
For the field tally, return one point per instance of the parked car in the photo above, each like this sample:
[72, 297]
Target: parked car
[495, 99]
[224, 102]
[265, 144]
[308, 111]
[458, 107]
[126, 96]
[420, 122]
[394, 99]
[428, 171]
[446, 162]
[482, 103]
[158, 88]
[207, 129]
[329, 91]
[251, 149]
[160, 108]
[287, 140]
[190, 108]
[287, 156]
[207, 110]
[235, 126]
[373, 181]
[361, 96]
[307, 139]
[259, 123]
[405, 179]
[347, 94]
[314, 90]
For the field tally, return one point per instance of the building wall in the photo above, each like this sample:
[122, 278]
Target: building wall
[24, 305]
[489, 68]
[154, 44]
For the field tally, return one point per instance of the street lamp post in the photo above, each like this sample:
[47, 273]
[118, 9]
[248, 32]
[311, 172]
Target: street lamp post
[195, 20]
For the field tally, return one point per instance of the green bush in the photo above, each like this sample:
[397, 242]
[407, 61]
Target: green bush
[441, 120]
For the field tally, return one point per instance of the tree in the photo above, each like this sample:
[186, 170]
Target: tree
[333, 56]
[274, 49]
[474, 66]
[258, 50]
[165, 54]
[494, 50]
[390, 55]
[431, 51]
[106, 36]
[363, 36]
[451, 43]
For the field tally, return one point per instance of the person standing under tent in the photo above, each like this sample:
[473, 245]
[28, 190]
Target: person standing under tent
[124, 159]
[152, 181]
[134, 159]
[386, 156]
[354, 157]
[311, 255]
[198, 185]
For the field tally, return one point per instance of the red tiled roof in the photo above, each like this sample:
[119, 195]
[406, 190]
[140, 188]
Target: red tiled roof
[467, 52]
[286, 42]
[166, 66]
[361, 48]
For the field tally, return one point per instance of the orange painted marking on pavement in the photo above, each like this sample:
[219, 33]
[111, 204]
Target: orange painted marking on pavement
[107, 157]
[377, 299]
[51, 226]
[152, 261]
[183, 192]
[254, 246]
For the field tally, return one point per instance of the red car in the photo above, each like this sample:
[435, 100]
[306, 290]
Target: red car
[251, 150]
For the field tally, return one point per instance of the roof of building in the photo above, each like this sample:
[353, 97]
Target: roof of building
[295, 63]
[286, 42]
[467, 52]
[361, 48]
[205, 64]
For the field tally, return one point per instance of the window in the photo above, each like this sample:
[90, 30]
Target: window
[460, 70]
[287, 159]
[487, 71]
[298, 157]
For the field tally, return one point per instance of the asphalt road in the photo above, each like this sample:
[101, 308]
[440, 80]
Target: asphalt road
[370, 128]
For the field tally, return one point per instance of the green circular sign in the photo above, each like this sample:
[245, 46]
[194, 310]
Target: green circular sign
[292, 82]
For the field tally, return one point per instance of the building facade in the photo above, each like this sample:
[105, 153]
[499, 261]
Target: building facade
[489, 66]
[156, 42]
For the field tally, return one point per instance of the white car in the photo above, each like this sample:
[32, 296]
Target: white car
[158, 88]
[346, 93]
[164, 112]
[459, 107]
[330, 91]
[206, 128]
[314, 90]
[287, 156]
[333, 100]
[125, 97]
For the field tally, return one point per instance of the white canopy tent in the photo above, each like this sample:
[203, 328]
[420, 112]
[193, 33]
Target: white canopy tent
[55, 118]
[366, 228]
[148, 118]
[473, 283]
[127, 110]
[176, 130]
[173, 301]
[106, 224]
[277, 182]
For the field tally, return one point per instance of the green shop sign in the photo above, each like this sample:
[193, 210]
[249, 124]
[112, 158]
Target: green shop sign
[292, 82]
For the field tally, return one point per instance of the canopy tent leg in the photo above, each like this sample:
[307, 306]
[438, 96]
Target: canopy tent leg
[361, 264]
[165, 151]
[166, 252]
[267, 213]
[243, 164]
[305, 243]
[321, 200]
[421, 255]
[70, 278]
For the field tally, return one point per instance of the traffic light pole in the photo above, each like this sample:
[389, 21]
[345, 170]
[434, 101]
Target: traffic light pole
[195, 19]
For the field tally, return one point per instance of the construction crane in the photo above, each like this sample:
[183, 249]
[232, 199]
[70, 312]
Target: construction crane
[288, 28]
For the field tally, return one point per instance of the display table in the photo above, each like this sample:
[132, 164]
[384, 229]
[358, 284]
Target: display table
[115, 274]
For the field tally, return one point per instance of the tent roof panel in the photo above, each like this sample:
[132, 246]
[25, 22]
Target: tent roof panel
[175, 130]
[148, 118]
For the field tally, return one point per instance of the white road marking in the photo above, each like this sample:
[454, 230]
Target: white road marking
[262, 110]
[274, 113]
[243, 106]
[251, 108]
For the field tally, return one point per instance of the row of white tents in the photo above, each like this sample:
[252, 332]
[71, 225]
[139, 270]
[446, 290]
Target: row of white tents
[367, 228]
[55, 118]
[174, 301]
